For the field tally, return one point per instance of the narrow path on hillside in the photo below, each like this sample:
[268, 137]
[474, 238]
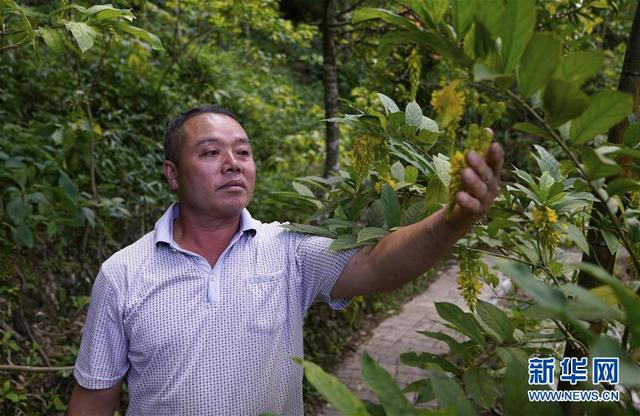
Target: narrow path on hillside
[397, 334]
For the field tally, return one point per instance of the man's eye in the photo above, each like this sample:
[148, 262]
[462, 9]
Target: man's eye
[211, 152]
[243, 152]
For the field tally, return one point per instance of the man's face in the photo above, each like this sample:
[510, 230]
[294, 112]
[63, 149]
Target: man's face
[216, 173]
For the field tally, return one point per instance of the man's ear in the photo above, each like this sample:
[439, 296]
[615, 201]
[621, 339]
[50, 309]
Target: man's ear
[170, 174]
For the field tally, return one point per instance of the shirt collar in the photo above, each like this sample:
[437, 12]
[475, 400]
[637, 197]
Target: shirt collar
[163, 231]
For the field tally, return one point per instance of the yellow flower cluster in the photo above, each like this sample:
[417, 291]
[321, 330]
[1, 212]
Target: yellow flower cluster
[469, 285]
[362, 156]
[458, 163]
[543, 224]
[448, 104]
[371, 151]
[415, 68]
[478, 139]
[385, 179]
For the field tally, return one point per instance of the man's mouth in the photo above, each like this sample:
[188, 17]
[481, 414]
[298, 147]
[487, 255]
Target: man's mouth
[234, 185]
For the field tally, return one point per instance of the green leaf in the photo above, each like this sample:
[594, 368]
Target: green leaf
[436, 9]
[108, 12]
[515, 384]
[585, 305]
[628, 371]
[416, 212]
[547, 162]
[455, 346]
[411, 174]
[483, 42]
[578, 67]
[332, 389]
[611, 240]
[371, 233]
[397, 171]
[577, 236]
[430, 40]
[413, 114]
[345, 242]
[563, 101]
[150, 38]
[515, 29]
[17, 209]
[424, 359]
[597, 165]
[496, 320]
[369, 13]
[303, 190]
[52, 38]
[629, 300]
[427, 124]
[309, 229]
[491, 12]
[621, 186]
[70, 188]
[480, 386]
[84, 34]
[606, 109]
[375, 214]
[539, 291]
[385, 388]
[391, 206]
[538, 62]
[389, 105]
[464, 322]
[532, 129]
[23, 236]
[631, 136]
[90, 215]
[423, 390]
[436, 195]
[463, 11]
[449, 394]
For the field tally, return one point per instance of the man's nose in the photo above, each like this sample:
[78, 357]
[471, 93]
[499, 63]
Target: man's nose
[230, 163]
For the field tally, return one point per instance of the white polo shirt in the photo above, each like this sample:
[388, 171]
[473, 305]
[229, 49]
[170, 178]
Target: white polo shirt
[196, 340]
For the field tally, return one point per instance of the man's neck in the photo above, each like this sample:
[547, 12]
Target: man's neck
[205, 235]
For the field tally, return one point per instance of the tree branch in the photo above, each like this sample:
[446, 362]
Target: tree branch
[30, 369]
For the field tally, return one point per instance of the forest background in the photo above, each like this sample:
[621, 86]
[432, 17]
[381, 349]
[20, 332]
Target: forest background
[85, 94]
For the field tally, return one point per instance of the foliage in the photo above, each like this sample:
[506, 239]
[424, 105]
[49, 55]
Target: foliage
[508, 51]
[86, 92]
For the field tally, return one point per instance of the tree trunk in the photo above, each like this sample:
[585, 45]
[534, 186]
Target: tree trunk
[600, 254]
[330, 81]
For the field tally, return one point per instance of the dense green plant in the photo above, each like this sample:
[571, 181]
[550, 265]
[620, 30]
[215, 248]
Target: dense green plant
[400, 173]
[83, 105]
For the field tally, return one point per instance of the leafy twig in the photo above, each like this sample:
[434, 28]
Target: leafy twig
[561, 143]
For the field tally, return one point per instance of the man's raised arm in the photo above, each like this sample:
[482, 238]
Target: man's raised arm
[407, 253]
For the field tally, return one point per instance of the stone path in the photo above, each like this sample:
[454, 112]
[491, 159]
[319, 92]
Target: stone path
[398, 334]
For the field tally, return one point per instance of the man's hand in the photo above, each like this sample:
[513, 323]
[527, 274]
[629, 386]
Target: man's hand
[481, 182]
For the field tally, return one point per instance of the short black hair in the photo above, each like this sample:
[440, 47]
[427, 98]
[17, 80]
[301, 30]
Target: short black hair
[173, 134]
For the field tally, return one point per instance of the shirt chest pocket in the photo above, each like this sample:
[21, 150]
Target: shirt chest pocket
[265, 302]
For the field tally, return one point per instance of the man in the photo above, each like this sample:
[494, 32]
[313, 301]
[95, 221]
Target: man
[203, 314]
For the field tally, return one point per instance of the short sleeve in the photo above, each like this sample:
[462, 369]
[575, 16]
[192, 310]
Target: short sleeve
[102, 359]
[319, 268]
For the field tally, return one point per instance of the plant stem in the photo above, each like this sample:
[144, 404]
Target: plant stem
[30, 369]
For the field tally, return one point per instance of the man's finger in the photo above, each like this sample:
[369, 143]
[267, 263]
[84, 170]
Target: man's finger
[480, 166]
[475, 186]
[469, 204]
[495, 158]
